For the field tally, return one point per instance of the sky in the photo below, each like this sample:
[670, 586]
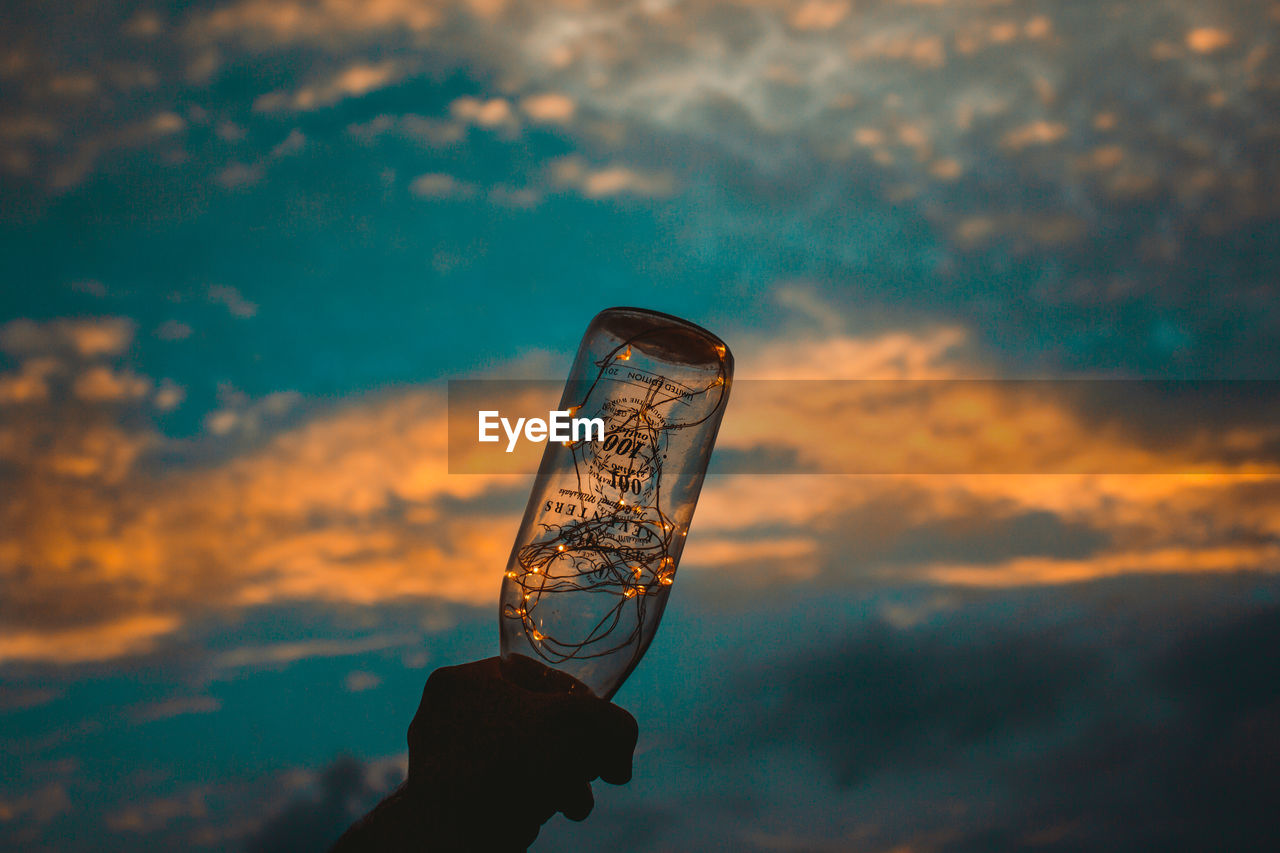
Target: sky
[247, 244]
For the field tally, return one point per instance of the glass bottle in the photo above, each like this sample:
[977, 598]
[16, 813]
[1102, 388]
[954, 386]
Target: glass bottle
[596, 555]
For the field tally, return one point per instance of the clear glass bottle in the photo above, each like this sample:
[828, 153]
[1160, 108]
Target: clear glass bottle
[597, 551]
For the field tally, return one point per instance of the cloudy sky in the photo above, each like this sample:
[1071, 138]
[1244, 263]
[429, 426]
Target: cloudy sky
[246, 243]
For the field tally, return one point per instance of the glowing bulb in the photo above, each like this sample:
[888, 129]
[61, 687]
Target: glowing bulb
[537, 636]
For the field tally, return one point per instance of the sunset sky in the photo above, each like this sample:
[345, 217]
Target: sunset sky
[247, 243]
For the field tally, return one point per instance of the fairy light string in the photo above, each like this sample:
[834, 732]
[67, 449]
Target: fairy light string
[625, 550]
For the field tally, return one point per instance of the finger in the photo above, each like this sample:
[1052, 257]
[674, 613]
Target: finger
[613, 739]
[619, 745]
[576, 803]
[592, 737]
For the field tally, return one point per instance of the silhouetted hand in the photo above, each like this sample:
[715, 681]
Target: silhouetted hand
[492, 758]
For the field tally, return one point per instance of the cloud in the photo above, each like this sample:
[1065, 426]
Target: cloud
[89, 338]
[239, 175]
[1009, 722]
[342, 508]
[825, 79]
[1208, 39]
[102, 384]
[439, 185]
[177, 706]
[150, 817]
[608, 181]
[247, 417]
[291, 144]
[28, 128]
[488, 113]
[40, 806]
[102, 639]
[144, 24]
[282, 654]
[231, 299]
[73, 85]
[818, 14]
[169, 395]
[1110, 517]
[1035, 133]
[931, 354]
[21, 699]
[889, 698]
[29, 383]
[360, 681]
[173, 330]
[351, 82]
[345, 790]
[549, 108]
[927, 107]
[262, 23]
[854, 88]
[108, 555]
[425, 130]
[167, 123]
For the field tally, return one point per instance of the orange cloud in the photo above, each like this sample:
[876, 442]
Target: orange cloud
[102, 336]
[1038, 570]
[351, 82]
[607, 181]
[1208, 39]
[101, 384]
[94, 642]
[439, 185]
[494, 112]
[1034, 133]
[102, 556]
[819, 14]
[315, 21]
[549, 107]
[112, 557]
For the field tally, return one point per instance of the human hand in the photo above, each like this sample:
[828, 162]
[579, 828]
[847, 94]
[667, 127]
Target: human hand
[493, 757]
